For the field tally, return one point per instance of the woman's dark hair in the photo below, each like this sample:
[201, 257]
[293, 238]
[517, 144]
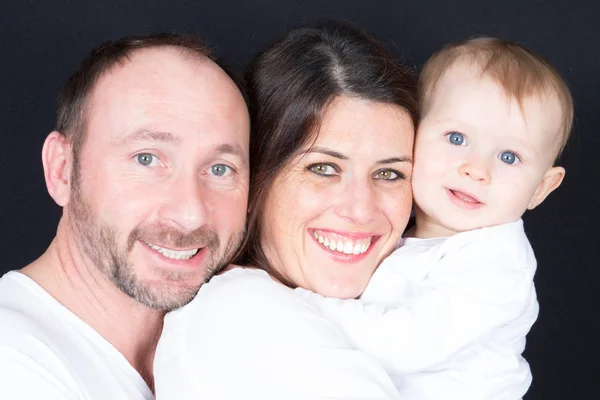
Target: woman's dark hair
[290, 86]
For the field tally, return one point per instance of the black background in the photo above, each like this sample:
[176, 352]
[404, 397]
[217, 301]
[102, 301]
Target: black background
[42, 41]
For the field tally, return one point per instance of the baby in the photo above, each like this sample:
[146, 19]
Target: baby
[447, 313]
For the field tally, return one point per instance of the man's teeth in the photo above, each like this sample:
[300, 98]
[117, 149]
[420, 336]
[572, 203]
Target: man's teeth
[345, 246]
[174, 254]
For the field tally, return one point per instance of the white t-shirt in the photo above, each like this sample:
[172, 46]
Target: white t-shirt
[447, 317]
[47, 352]
[246, 336]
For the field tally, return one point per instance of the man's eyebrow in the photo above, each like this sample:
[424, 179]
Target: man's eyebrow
[235, 150]
[168, 137]
[145, 134]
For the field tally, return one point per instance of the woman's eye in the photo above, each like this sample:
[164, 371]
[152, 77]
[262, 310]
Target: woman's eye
[220, 169]
[388, 175]
[456, 139]
[146, 159]
[509, 157]
[322, 169]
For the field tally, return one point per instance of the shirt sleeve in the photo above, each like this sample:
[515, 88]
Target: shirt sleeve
[21, 378]
[472, 292]
[246, 336]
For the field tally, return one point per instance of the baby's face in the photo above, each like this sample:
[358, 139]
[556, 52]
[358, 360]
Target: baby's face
[480, 161]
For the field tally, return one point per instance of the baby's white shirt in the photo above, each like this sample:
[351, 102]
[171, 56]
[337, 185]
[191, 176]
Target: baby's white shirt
[447, 317]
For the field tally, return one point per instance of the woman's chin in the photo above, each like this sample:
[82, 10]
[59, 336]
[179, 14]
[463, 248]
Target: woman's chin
[341, 289]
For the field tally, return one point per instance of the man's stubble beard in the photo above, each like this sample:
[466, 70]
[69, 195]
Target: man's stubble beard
[99, 242]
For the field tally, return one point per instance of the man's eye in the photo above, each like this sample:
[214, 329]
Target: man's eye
[456, 138]
[322, 169]
[146, 159]
[388, 175]
[509, 157]
[220, 170]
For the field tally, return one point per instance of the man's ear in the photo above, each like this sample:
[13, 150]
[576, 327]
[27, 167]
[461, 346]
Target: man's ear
[552, 179]
[57, 161]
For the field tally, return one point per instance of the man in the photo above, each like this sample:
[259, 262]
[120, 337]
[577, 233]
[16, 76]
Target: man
[150, 164]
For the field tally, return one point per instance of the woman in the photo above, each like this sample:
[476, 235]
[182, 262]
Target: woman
[333, 125]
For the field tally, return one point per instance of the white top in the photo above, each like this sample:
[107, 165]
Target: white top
[447, 317]
[47, 352]
[246, 336]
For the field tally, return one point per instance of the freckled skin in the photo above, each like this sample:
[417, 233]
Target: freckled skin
[350, 200]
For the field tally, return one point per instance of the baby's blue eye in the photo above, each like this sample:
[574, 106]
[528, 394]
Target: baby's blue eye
[456, 138]
[509, 157]
[219, 169]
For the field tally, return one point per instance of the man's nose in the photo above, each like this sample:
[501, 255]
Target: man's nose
[186, 203]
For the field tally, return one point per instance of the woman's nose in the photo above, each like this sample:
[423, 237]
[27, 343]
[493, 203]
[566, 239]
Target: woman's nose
[358, 204]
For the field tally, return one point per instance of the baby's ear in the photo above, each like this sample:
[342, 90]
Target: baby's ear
[552, 179]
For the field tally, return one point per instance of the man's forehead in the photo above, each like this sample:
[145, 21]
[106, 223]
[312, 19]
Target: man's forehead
[149, 64]
[159, 78]
[214, 145]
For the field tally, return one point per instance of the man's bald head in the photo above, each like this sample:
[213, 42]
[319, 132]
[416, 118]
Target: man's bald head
[73, 100]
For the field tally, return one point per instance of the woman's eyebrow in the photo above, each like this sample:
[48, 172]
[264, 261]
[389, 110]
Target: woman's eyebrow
[392, 160]
[326, 151]
[340, 156]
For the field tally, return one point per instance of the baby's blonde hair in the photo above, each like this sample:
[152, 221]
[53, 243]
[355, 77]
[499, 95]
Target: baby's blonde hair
[517, 70]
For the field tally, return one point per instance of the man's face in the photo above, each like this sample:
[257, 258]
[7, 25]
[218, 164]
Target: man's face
[160, 186]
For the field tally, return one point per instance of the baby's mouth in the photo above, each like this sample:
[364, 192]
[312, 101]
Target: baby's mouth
[465, 197]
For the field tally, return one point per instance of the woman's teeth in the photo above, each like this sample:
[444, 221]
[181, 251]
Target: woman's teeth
[174, 254]
[346, 246]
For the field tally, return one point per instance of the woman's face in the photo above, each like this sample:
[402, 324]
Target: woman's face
[341, 205]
